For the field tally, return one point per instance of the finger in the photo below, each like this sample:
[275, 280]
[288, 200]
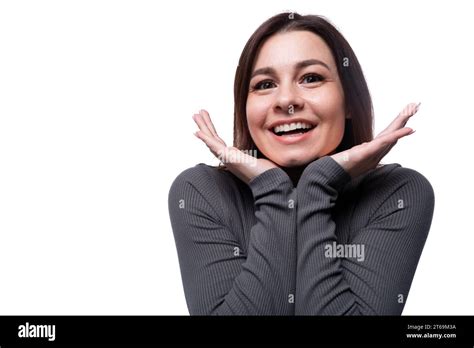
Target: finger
[389, 147]
[201, 124]
[379, 148]
[378, 144]
[392, 137]
[211, 142]
[410, 109]
[206, 125]
[210, 125]
[208, 121]
[402, 118]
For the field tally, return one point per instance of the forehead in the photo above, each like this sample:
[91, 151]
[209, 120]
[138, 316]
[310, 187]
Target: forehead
[287, 48]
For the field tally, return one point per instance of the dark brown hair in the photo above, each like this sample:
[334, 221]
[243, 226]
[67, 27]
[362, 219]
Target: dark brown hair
[358, 103]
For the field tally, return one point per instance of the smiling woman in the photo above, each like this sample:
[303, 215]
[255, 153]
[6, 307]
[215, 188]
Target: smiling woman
[298, 82]
[313, 225]
[324, 56]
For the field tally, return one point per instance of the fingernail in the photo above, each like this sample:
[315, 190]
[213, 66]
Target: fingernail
[412, 131]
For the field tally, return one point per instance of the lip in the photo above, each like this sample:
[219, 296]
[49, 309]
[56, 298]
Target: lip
[292, 139]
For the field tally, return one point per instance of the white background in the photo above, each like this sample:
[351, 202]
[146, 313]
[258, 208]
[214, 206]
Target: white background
[96, 99]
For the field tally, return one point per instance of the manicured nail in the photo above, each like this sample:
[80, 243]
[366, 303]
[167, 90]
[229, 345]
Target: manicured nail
[413, 131]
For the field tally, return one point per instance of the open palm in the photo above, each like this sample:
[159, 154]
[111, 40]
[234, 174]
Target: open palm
[241, 164]
[361, 158]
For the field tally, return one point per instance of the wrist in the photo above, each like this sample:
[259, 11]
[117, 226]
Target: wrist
[326, 171]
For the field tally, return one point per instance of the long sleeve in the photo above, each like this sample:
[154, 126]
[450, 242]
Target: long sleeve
[218, 278]
[377, 266]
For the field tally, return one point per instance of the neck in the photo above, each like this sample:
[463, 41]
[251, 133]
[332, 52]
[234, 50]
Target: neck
[294, 173]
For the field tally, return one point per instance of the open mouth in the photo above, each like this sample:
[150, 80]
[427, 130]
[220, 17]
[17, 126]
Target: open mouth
[292, 130]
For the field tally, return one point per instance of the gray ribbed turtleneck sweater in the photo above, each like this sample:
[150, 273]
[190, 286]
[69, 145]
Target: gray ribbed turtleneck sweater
[331, 246]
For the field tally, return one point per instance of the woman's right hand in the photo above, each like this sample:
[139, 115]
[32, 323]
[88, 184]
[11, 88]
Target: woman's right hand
[242, 165]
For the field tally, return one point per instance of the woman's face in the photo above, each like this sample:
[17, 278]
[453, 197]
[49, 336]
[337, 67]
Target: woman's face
[295, 84]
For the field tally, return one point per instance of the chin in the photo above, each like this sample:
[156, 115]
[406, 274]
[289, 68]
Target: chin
[293, 161]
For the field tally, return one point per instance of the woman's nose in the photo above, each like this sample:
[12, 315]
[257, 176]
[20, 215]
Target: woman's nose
[288, 99]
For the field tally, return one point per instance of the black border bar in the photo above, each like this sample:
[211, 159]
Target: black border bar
[238, 330]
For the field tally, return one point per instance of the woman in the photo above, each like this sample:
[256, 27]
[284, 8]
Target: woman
[313, 225]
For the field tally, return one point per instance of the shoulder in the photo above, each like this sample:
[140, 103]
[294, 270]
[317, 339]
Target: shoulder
[391, 187]
[203, 186]
[192, 175]
[393, 177]
[201, 177]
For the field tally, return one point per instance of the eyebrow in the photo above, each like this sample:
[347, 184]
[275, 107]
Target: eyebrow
[304, 63]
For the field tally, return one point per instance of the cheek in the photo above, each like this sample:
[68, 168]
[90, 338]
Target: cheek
[256, 114]
[329, 106]
[333, 131]
[326, 101]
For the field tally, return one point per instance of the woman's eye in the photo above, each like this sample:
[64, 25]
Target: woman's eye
[264, 85]
[310, 78]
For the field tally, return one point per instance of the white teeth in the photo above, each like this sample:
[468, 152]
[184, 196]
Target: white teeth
[291, 126]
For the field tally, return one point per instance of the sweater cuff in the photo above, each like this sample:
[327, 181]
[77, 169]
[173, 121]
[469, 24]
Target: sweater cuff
[326, 171]
[271, 180]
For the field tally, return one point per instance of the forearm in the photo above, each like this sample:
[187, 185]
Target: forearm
[266, 286]
[394, 211]
[220, 275]
[321, 288]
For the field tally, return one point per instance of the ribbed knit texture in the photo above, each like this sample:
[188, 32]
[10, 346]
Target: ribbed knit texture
[262, 248]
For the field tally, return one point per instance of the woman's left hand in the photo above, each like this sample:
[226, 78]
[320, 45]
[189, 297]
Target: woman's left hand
[364, 157]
